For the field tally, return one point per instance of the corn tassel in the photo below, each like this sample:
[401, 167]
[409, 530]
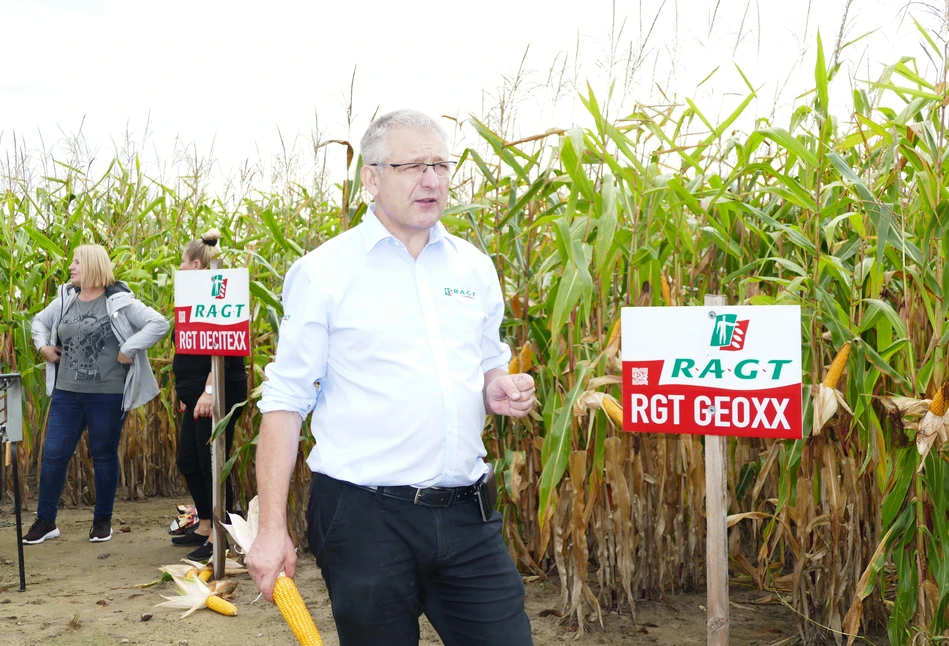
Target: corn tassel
[837, 366]
[940, 402]
[613, 410]
[217, 604]
[290, 603]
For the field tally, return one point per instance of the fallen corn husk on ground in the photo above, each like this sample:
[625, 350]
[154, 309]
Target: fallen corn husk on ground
[196, 594]
[286, 596]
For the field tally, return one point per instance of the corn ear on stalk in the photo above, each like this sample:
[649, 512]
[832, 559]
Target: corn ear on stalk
[527, 357]
[940, 402]
[826, 396]
[514, 366]
[288, 600]
[665, 289]
[837, 366]
[935, 422]
[614, 334]
[217, 604]
[613, 410]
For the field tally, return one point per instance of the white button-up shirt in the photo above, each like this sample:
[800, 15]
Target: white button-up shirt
[399, 348]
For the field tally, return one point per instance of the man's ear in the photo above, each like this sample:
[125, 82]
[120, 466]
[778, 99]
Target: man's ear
[370, 179]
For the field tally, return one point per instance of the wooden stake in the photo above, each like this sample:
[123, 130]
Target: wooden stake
[716, 512]
[218, 449]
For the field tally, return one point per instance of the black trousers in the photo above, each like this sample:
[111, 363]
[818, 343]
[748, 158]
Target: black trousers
[194, 447]
[387, 561]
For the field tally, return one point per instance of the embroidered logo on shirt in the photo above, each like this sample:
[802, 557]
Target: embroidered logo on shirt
[464, 293]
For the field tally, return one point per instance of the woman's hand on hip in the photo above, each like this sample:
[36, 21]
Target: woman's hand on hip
[51, 353]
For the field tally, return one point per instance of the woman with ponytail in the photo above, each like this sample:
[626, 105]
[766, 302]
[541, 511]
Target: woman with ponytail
[194, 388]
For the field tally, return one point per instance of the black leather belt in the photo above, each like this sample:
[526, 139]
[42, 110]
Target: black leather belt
[430, 496]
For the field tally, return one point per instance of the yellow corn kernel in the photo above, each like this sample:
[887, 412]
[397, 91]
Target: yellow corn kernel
[205, 574]
[613, 410]
[217, 604]
[290, 603]
[837, 366]
[192, 573]
[940, 402]
[527, 357]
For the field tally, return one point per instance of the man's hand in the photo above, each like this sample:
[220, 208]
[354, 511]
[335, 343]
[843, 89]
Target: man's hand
[271, 554]
[511, 395]
[124, 359]
[203, 407]
[51, 353]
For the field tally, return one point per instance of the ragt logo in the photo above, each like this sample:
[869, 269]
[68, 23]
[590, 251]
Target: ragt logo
[728, 334]
[464, 293]
[218, 286]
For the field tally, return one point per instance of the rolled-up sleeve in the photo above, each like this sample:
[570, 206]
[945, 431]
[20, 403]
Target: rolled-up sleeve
[301, 345]
[494, 353]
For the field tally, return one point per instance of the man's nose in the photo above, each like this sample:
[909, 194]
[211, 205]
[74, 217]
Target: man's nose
[430, 177]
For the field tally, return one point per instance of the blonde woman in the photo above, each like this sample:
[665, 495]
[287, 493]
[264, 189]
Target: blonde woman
[193, 385]
[94, 337]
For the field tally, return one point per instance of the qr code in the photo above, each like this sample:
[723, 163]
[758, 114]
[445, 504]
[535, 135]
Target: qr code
[640, 376]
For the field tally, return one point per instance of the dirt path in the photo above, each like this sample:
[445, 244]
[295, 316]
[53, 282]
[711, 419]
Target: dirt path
[74, 597]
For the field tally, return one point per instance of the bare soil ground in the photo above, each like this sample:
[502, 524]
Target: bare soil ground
[75, 596]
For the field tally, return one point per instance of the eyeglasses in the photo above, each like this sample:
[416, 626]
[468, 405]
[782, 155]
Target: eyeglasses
[417, 169]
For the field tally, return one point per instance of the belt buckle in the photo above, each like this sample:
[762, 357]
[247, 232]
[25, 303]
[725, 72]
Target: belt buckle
[441, 502]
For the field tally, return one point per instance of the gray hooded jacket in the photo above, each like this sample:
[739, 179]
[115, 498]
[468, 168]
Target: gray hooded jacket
[136, 326]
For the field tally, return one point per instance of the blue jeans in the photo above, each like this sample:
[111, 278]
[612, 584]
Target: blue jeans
[69, 414]
[385, 562]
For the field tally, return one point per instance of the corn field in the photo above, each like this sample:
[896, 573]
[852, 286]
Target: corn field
[844, 215]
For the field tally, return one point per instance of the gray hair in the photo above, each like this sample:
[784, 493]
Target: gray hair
[375, 142]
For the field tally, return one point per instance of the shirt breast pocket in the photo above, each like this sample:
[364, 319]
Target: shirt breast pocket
[464, 327]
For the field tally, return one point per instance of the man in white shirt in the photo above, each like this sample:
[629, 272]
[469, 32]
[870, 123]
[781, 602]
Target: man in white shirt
[398, 322]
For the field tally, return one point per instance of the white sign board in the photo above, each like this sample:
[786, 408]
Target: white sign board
[713, 370]
[212, 312]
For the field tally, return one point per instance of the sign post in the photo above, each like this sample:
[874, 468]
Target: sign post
[11, 433]
[716, 532]
[212, 316]
[716, 371]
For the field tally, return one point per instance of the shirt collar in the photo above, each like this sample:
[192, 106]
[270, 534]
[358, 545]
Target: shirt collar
[373, 231]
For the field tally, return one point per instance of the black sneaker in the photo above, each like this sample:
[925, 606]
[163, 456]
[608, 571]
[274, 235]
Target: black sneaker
[191, 538]
[101, 530]
[203, 553]
[40, 531]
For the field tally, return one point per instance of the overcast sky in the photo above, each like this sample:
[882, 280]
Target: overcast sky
[235, 73]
